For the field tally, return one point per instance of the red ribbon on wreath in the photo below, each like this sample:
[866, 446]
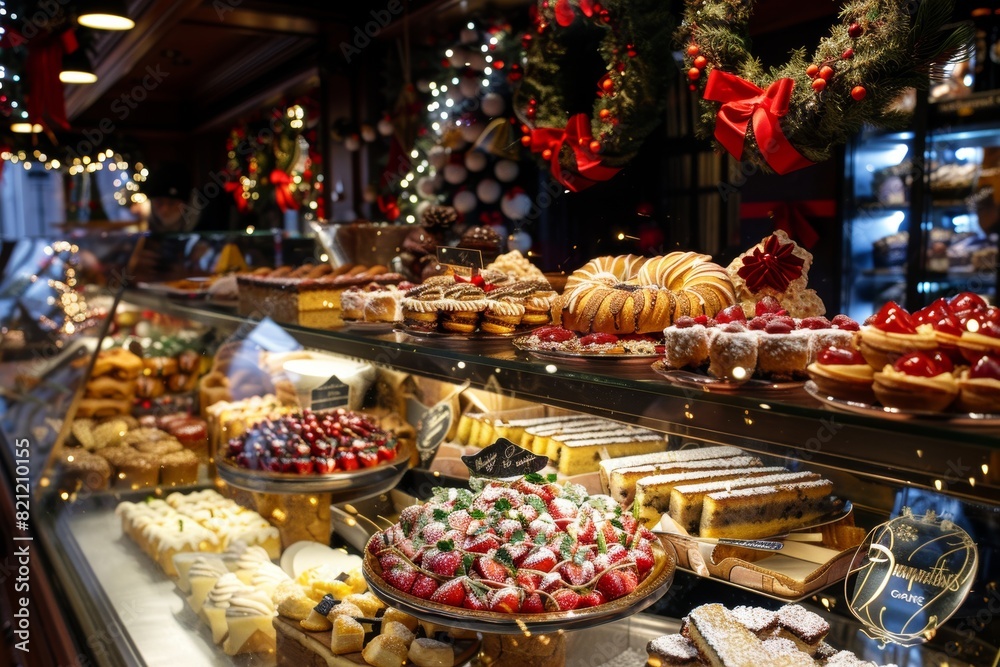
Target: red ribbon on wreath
[792, 217]
[235, 188]
[388, 207]
[576, 135]
[282, 183]
[743, 103]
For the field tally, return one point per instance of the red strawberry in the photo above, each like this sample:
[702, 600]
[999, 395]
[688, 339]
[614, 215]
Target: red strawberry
[592, 599]
[844, 322]
[424, 587]
[325, 465]
[518, 551]
[617, 583]
[505, 600]
[451, 593]
[490, 569]
[508, 527]
[731, 314]
[768, 305]
[389, 560]
[475, 599]
[577, 575]
[542, 560]
[406, 546]
[460, 520]
[628, 522]
[532, 604]
[551, 582]
[566, 599]
[443, 563]
[409, 517]
[386, 453]
[480, 544]
[643, 558]
[611, 534]
[347, 460]
[527, 513]
[538, 526]
[528, 581]
[367, 458]
[562, 511]
[400, 577]
[818, 322]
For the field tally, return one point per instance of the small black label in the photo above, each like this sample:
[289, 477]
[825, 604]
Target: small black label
[504, 459]
[331, 394]
[465, 258]
[326, 605]
[433, 428]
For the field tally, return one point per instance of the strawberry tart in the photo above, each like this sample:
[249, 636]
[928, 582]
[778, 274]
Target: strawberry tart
[525, 547]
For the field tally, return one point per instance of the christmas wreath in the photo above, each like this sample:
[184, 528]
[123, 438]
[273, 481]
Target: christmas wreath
[792, 116]
[632, 37]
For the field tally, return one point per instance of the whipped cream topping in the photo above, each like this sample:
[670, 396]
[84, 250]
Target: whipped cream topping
[208, 568]
[225, 589]
[252, 558]
[250, 602]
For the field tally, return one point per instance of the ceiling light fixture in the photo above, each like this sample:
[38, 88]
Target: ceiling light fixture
[106, 15]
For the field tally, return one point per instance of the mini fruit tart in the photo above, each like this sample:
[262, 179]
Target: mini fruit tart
[890, 334]
[940, 320]
[843, 373]
[979, 387]
[980, 335]
[917, 381]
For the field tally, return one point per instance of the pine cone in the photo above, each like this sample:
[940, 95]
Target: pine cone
[438, 218]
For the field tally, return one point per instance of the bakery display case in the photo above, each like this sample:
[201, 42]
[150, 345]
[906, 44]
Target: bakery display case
[121, 581]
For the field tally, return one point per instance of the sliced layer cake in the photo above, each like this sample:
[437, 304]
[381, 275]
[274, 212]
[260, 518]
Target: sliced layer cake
[608, 466]
[623, 480]
[764, 510]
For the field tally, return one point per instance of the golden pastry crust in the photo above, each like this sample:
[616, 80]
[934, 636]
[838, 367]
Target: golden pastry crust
[898, 390]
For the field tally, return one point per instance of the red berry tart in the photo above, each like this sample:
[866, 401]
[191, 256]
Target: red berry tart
[843, 373]
[891, 333]
[505, 548]
[917, 381]
[979, 387]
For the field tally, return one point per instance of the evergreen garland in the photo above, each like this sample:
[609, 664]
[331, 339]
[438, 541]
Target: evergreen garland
[880, 48]
[629, 98]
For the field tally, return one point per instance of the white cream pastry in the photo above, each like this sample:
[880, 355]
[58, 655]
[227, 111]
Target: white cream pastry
[249, 619]
[202, 576]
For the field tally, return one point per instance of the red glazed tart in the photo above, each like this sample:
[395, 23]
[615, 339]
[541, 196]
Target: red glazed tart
[843, 373]
[979, 387]
[890, 334]
[917, 381]
[940, 320]
[980, 335]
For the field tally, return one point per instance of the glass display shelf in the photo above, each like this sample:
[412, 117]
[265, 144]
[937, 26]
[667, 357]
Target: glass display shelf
[957, 460]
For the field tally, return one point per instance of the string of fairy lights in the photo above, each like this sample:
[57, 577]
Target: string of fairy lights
[127, 180]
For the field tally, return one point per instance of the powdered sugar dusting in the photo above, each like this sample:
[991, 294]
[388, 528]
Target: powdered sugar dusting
[804, 624]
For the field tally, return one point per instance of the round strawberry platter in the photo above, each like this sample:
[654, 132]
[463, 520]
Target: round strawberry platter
[513, 557]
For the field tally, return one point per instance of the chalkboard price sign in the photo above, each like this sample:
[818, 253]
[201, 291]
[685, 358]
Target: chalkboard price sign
[466, 259]
[504, 459]
[433, 428]
[331, 394]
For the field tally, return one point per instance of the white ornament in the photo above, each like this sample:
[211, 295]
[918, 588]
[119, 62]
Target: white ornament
[493, 104]
[352, 143]
[520, 241]
[468, 35]
[506, 171]
[455, 174]
[368, 133]
[385, 127]
[516, 206]
[475, 161]
[469, 87]
[438, 156]
[471, 132]
[488, 191]
[426, 186]
[464, 201]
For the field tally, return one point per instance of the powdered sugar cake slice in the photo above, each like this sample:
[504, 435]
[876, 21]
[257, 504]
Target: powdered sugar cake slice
[677, 455]
[623, 480]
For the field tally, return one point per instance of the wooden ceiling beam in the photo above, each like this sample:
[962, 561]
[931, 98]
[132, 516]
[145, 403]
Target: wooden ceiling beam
[252, 21]
[159, 18]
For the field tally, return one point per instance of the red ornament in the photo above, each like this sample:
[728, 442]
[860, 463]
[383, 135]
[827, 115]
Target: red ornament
[595, 146]
[526, 140]
[530, 112]
[526, 40]
[604, 114]
[547, 154]
[542, 27]
[630, 50]
[607, 85]
[532, 102]
[692, 87]
[858, 93]
[812, 71]
[693, 50]
[694, 73]
[847, 54]
[819, 85]
[516, 72]
[826, 72]
[524, 128]
[700, 62]
[605, 16]
[855, 30]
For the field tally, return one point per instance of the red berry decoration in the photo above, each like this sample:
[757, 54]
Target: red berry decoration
[812, 71]
[855, 30]
[847, 54]
[693, 50]
[700, 62]
[858, 93]
[819, 85]
[694, 73]
[604, 114]
[547, 154]
[526, 140]
[826, 72]
[595, 146]
[607, 85]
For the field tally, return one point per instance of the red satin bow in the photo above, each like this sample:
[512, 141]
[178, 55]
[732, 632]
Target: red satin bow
[743, 103]
[576, 135]
[235, 188]
[388, 207]
[775, 266]
[282, 183]
[792, 217]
